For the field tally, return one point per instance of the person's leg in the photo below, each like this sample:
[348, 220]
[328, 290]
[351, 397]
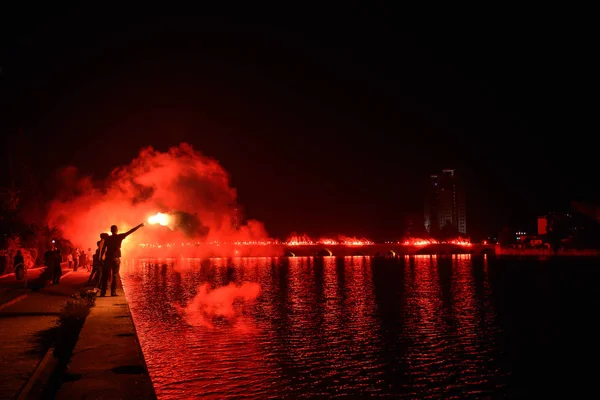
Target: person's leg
[115, 276]
[56, 276]
[92, 276]
[99, 275]
[106, 267]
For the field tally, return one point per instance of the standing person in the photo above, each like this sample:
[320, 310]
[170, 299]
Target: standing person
[112, 262]
[76, 259]
[70, 259]
[102, 247]
[49, 256]
[18, 259]
[96, 266]
[88, 259]
[101, 257]
[82, 263]
[19, 265]
[97, 261]
[57, 271]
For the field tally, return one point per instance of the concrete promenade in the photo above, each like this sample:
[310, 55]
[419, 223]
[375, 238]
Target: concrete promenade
[12, 290]
[547, 252]
[28, 321]
[107, 362]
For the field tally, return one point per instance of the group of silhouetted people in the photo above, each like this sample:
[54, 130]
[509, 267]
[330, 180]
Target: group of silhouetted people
[80, 258]
[105, 263]
[52, 261]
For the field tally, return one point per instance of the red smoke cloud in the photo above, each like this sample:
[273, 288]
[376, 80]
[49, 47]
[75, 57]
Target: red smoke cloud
[180, 180]
[207, 305]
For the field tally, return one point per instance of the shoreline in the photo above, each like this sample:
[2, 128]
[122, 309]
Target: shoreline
[107, 360]
[80, 351]
[548, 253]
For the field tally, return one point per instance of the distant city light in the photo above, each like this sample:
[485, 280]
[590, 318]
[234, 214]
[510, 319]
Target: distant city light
[424, 242]
[292, 241]
[307, 241]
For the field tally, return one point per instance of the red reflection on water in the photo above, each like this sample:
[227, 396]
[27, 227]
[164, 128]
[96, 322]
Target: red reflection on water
[464, 300]
[424, 293]
[423, 312]
[450, 341]
[185, 357]
[319, 327]
[474, 323]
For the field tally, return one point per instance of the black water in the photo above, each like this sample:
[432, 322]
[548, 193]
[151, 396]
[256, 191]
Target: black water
[419, 327]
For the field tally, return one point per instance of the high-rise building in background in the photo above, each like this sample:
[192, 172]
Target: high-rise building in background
[445, 203]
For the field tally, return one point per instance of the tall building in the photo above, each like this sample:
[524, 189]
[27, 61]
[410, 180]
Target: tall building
[445, 203]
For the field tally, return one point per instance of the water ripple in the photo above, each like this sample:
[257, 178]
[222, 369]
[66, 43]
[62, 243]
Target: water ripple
[419, 327]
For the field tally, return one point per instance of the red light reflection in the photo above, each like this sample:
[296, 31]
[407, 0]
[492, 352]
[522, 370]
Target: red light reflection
[424, 242]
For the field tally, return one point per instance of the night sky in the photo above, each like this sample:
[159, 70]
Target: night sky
[326, 125]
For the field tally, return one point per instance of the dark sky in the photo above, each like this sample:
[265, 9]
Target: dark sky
[328, 124]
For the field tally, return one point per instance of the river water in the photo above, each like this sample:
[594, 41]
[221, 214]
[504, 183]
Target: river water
[415, 327]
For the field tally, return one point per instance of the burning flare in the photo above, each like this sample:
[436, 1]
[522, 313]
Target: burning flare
[193, 188]
[424, 242]
[159, 218]
[304, 240]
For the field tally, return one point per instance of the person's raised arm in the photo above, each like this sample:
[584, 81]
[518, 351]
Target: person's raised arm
[129, 232]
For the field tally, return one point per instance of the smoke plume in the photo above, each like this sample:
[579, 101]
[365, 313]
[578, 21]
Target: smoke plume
[195, 189]
[207, 305]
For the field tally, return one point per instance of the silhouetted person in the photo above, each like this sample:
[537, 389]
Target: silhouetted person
[98, 261]
[96, 267]
[57, 272]
[82, 259]
[88, 259]
[76, 259]
[19, 265]
[18, 259]
[49, 258]
[102, 247]
[112, 262]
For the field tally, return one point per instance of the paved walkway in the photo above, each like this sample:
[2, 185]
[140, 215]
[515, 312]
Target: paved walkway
[26, 326]
[11, 288]
[107, 362]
